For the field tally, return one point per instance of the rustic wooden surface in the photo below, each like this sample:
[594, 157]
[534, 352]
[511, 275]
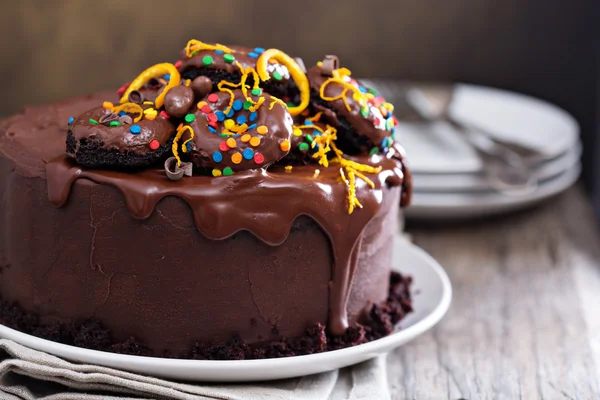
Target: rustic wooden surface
[525, 317]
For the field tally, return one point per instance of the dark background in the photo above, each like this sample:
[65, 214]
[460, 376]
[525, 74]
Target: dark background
[546, 48]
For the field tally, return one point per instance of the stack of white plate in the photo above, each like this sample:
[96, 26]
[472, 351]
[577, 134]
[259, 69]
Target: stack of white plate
[448, 179]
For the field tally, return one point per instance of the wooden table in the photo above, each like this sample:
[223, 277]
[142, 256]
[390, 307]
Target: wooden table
[525, 317]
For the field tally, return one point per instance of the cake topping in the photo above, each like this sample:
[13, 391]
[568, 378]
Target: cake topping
[364, 120]
[119, 137]
[164, 70]
[233, 131]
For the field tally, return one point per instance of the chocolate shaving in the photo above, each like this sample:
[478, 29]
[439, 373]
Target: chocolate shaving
[107, 118]
[176, 172]
[135, 96]
[125, 120]
[300, 63]
[330, 63]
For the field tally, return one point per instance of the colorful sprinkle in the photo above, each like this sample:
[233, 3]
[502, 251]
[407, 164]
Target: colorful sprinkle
[219, 51]
[206, 109]
[285, 145]
[220, 116]
[114, 123]
[213, 97]
[309, 138]
[373, 151]
[277, 76]
[288, 168]
[364, 112]
[256, 91]
[259, 50]
[154, 145]
[217, 156]
[372, 91]
[252, 116]
[150, 114]
[246, 138]
[229, 123]
[212, 129]
[297, 132]
[135, 129]
[247, 105]
[262, 130]
[227, 171]
[189, 118]
[255, 141]
[177, 63]
[216, 172]
[236, 158]
[123, 88]
[70, 121]
[259, 158]
[253, 126]
[248, 153]
[121, 113]
[303, 146]
[253, 54]
[164, 114]
[231, 143]
[223, 146]
[317, 132]
[241, 119]
[229, 58]
[237, 105]
[207, 60]
[107, 105]
[93, 121]
[308, 122]
[212, 117]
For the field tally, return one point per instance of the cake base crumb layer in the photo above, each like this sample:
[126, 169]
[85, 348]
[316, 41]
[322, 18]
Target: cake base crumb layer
[379, 322]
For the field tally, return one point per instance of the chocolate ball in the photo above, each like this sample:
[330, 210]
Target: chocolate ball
[202, 86]
[179, 100]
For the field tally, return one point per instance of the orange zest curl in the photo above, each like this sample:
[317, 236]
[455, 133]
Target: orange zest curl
[180, 131]
[296, 73]
[131, 108]
[349, 170]
[194, 45]
[155, 71]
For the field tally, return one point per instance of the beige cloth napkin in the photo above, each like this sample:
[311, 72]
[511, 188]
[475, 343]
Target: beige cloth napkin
[27, 374]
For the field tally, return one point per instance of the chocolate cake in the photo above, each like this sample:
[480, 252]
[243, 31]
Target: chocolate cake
[229, 205]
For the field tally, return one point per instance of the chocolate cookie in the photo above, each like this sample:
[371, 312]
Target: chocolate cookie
[206, 65]
[119, 137]
[363, 119]
[233, 131]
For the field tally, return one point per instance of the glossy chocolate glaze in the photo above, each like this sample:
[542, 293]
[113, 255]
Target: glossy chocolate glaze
[226, 205]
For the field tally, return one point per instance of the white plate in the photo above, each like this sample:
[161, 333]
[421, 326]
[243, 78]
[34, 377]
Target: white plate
[510, 116]
[477, 182]
[469, 205]
[432, 294]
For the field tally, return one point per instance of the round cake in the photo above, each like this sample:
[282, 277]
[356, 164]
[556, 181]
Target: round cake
[230, 205]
